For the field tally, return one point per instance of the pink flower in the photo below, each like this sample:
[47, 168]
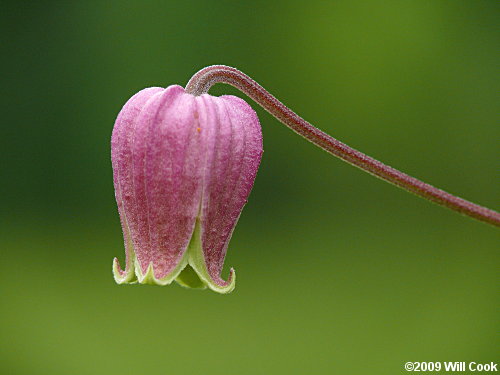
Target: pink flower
[183, 168]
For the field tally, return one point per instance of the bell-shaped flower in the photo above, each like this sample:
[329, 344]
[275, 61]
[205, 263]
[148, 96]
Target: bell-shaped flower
[183, 167]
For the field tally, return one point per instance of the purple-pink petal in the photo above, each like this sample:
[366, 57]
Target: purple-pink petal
[234, 143]
[121, 156]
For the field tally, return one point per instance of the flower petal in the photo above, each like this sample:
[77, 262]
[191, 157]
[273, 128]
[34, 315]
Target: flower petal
[121, 157]
[233, 149]
[166, 183]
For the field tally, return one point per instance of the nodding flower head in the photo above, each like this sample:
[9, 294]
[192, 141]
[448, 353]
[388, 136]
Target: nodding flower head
[183, 167]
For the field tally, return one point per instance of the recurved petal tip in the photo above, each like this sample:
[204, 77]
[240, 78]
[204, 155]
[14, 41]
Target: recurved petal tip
[200, 274]
[121, 276]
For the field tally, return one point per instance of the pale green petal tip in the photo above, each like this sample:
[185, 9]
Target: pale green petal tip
[134, 274]
[150, 278]
[186, 274]
[228, 288]
[204, 276]
[191, 279]
[129, 276]
[197, 262]
[191, 272]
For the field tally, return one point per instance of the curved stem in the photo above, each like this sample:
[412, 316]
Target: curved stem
[201, 82]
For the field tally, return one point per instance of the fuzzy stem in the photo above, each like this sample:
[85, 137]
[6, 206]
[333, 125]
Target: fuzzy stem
[201, 82]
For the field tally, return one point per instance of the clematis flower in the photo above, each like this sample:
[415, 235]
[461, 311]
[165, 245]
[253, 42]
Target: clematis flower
[184, 163]
[183, 168]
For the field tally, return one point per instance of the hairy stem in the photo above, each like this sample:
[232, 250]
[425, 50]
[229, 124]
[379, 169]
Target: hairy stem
[201, 82]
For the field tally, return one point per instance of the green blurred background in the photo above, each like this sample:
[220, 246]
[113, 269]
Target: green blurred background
[338, 272]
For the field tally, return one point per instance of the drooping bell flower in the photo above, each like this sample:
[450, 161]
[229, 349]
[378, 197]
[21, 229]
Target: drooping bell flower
[184, 163]
[183, 168]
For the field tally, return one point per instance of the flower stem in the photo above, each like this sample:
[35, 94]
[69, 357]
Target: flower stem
[201, 82]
